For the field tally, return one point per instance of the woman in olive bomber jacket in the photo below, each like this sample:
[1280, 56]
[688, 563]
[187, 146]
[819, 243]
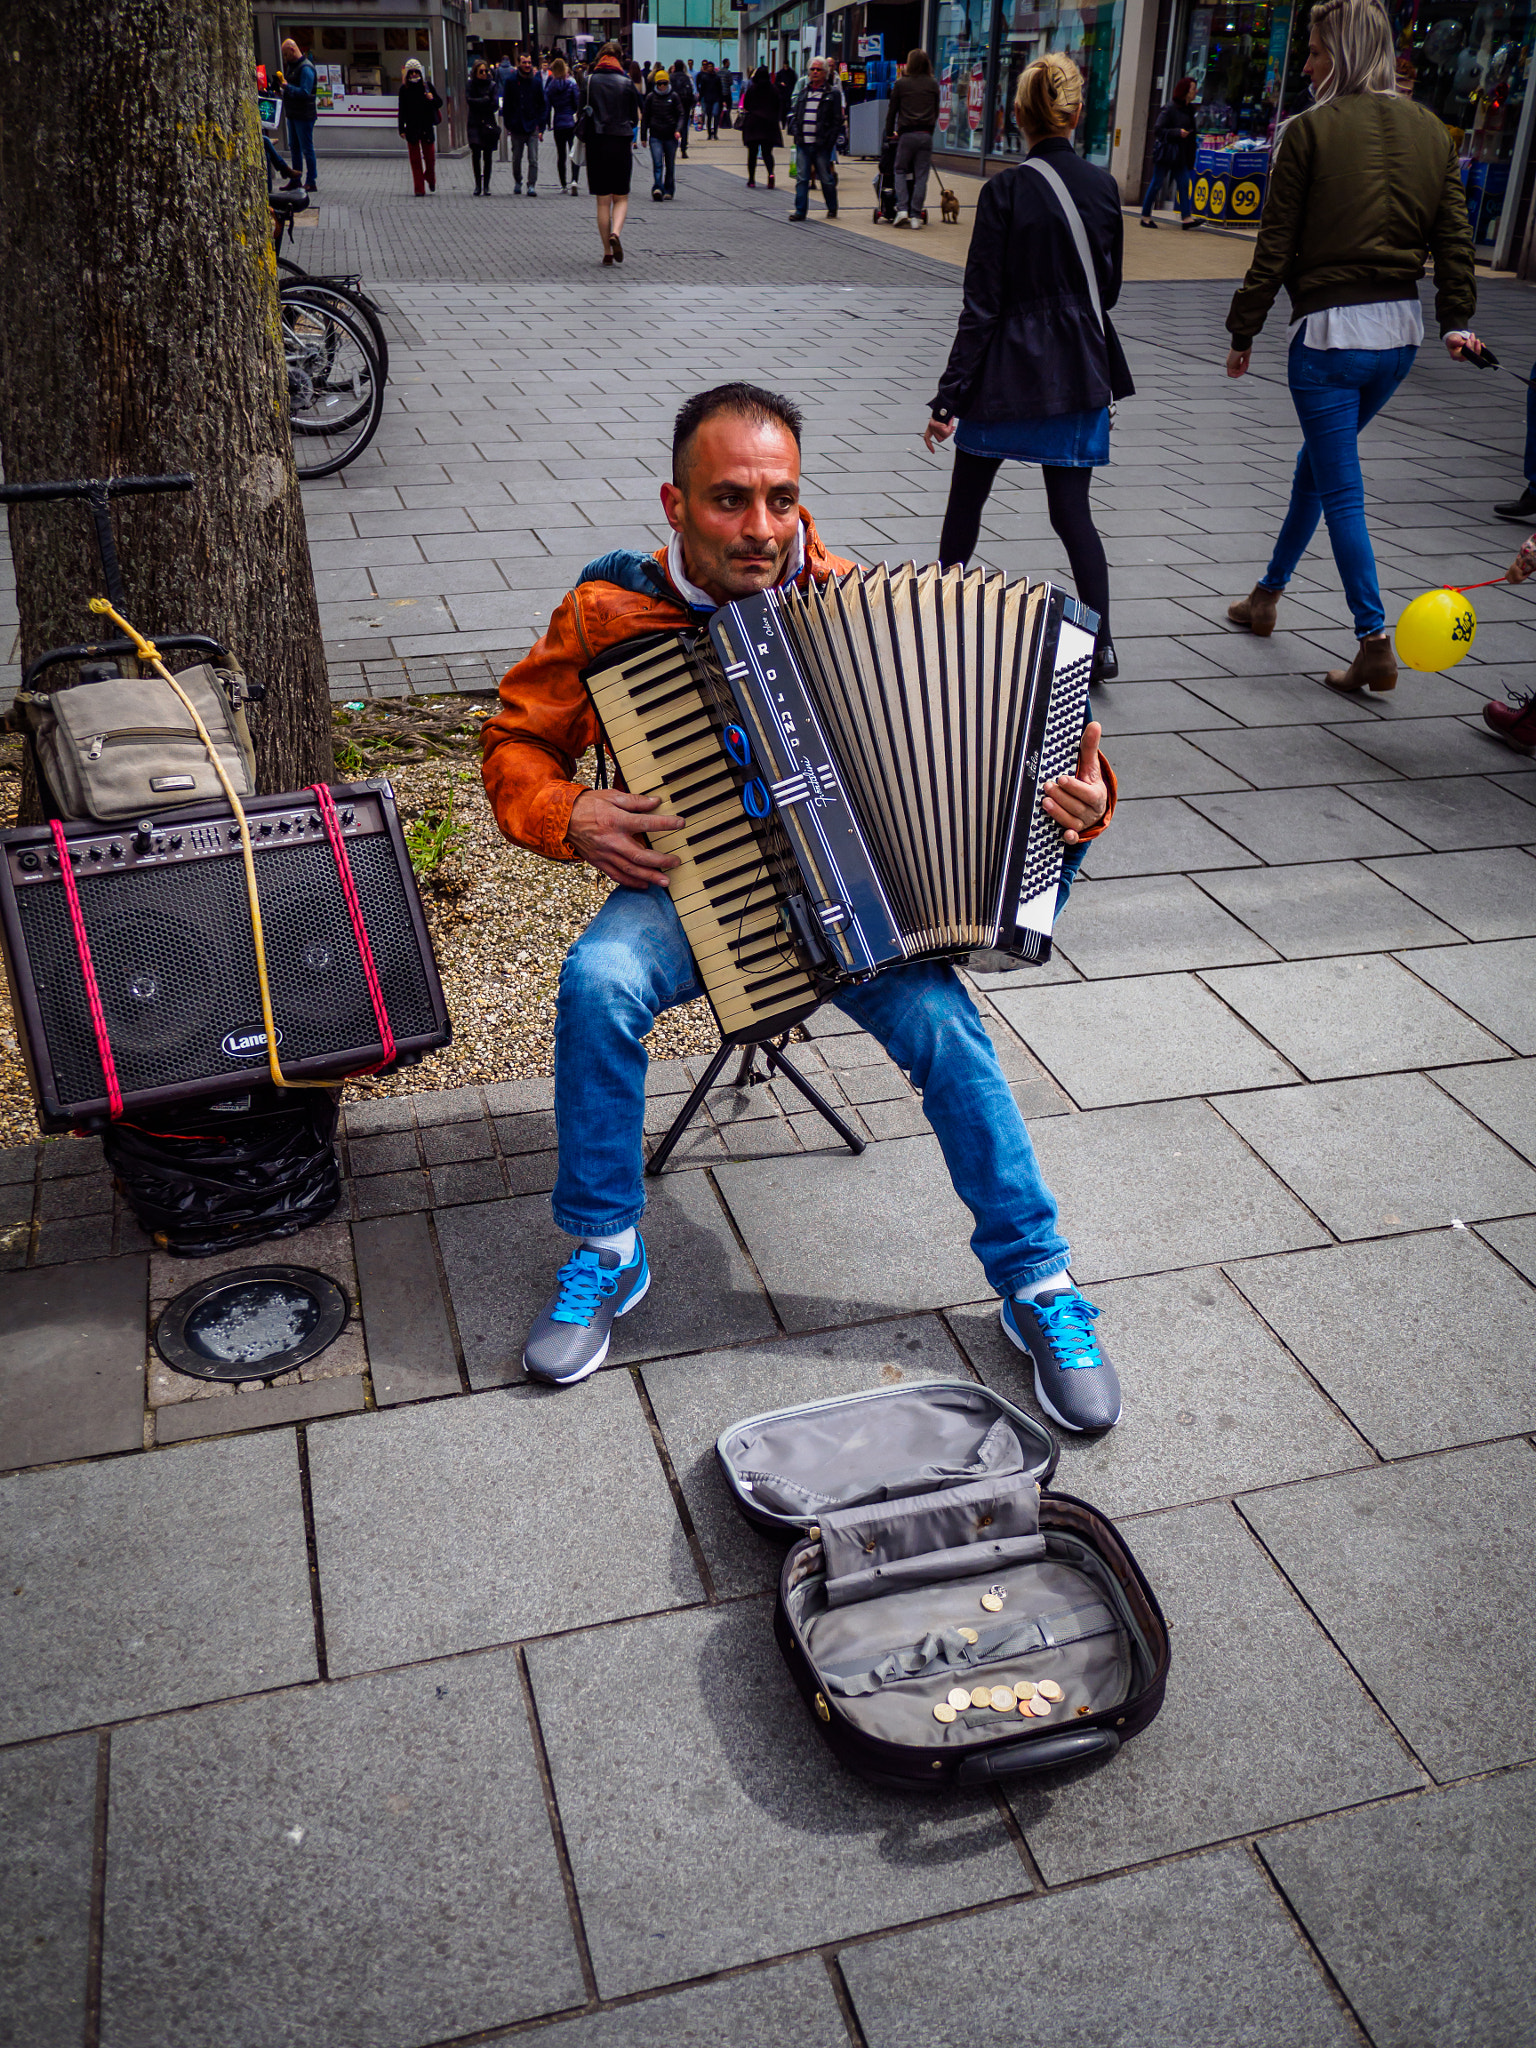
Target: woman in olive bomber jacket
[1362, 185]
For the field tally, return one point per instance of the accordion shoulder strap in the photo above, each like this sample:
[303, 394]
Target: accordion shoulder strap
[1075, 226]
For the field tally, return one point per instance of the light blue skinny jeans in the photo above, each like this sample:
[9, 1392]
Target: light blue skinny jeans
[632, 962]
[1336, 391]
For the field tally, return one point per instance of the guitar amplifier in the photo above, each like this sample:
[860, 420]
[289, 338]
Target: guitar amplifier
[168, 925]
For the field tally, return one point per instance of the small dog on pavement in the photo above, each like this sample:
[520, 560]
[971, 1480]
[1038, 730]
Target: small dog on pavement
[949, 205]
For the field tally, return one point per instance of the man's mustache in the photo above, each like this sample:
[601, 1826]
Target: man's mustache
[740, 553]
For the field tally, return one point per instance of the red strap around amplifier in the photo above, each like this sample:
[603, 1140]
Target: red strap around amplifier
[322, 796]
[88, 974]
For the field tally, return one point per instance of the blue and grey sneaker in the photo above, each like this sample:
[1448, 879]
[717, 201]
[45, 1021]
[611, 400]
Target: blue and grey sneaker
[1074, 1382]
[570, 1339]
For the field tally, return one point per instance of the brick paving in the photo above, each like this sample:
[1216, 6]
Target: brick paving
[410, 1703]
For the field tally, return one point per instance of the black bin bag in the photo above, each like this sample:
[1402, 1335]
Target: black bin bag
[259, 1166]
[948, 1617]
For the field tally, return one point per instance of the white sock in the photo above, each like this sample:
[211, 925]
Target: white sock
[621, 1241]
[1035, 1288]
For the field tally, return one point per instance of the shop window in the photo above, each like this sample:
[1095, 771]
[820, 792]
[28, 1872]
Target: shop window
[1090, 36]
[961, 63]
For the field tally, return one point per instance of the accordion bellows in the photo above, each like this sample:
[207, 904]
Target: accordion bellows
[859, 766]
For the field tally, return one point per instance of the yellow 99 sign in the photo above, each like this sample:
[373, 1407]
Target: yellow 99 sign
[1218, 205]
[1202, 193]
[1245, 197]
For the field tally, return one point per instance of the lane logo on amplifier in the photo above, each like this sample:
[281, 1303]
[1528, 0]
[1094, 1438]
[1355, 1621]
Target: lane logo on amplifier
[249, 1044]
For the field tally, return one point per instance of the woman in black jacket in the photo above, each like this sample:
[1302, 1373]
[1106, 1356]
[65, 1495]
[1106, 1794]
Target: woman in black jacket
[1174, 143]
[760, 123]
[610, 110]
[421, 108]
[1035, 362]
[484, 132]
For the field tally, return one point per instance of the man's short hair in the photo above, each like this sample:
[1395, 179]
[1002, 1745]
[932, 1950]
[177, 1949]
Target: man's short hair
[739, 401]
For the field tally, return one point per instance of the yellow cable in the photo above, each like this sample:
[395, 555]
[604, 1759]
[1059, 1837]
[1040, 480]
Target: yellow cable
[148, 652]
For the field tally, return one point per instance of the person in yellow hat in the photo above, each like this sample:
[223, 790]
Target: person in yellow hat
[661, 122]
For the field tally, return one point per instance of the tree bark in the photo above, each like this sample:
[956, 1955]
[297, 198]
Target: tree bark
[138, 305]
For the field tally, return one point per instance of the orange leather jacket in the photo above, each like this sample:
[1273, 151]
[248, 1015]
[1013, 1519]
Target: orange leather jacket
[530, 748]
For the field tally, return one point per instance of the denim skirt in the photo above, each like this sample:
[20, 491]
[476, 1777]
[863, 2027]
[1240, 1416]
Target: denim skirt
[1068, 440]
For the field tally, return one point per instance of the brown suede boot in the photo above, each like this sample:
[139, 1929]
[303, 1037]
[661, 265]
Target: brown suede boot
[1256, 611]
[1373, 668]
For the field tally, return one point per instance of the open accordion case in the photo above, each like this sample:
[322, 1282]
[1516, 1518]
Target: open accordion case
[948, 1618]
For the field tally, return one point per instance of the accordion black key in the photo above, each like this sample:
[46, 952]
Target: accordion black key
[859, 767]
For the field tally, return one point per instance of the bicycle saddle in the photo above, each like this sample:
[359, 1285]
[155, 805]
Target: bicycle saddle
[288, 203]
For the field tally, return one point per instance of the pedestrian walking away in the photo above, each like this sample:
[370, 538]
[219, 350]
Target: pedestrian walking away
[711, 98]
[1174, 143]
[523, 115]
[300, 111]
[610, 112]
[737, 528]
[1363, 186]
[1036, 362]
[1523, 508]
[760, 124]
[480, 102]
[683, 86]
[910, 121]
[421, 108]
[562, 98]
[816, 124]
[784, 86]
[661, 118]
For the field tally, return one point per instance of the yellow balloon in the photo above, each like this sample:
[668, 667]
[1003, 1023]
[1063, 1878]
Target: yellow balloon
[1436, 630]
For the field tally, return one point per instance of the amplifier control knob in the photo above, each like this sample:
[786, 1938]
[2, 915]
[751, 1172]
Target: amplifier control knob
[175, 840]
[143, 840]
[116, 849]
[234, 835]
[96, 853]
[348, 815]
[285, 824]
[30, 861]
[266, 828]
[53, 860]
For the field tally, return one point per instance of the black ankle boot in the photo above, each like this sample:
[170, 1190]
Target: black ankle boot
[1106, 663]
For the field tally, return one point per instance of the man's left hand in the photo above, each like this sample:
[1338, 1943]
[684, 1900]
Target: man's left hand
[1079, 801]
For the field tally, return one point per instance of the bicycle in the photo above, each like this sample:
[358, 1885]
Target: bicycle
[336, 354]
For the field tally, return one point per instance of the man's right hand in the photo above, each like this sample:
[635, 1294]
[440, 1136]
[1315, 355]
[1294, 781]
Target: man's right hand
[608, 828]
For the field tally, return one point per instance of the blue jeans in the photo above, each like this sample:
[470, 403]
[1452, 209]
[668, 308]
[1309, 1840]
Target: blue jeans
[1183, 185]
[632, 962]
[826, 173]
[301, 142]
[1336, 391]
[663, 160]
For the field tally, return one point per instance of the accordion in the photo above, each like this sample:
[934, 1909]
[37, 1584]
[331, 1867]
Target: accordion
[859, 765]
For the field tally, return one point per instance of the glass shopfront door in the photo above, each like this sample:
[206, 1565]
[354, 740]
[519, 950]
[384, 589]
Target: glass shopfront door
[960, 61]
[1088, 34]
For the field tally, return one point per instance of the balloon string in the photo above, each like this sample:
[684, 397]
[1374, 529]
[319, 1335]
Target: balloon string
[1461, 588]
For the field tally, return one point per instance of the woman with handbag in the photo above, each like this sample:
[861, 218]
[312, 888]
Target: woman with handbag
[610, 109]
[562, 96]
[1035, 364]
[484, 129]
[760, 123]
[421, 108]
[1174, 143]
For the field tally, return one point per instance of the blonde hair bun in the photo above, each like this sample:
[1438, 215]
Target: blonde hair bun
[1050, 91]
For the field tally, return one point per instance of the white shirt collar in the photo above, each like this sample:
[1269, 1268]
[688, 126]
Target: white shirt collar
[701, 599]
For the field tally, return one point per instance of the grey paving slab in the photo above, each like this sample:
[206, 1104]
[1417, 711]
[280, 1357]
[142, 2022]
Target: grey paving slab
[1450, 1875]
[1516, 1240]
[107, 1624]
[1228, 1755]
[1413, 1337]
[458, 1524]
[1150, 924]
[1187, 1433]
[1161, 836]
[1503, 1095]
[1152, 707]
[842, 1240]
[1289, 756]
[1451, 812]
[1143, 1039]
[791, 2005]
[47, 1833]
[410, 1344]
[1162, 1185]
[1359, 1014]
[1382, 1153]
[501, 1259]
[1276, 700]
[1495, 983]
[1431, 746]
[1324, 907]
[669, 1832]
[1489, 894]
[696, 1398]
[72, 1344]
[1164, 764]
[1281, 825]
[1420, 1572]
[1203, 1955]
[354, 1866]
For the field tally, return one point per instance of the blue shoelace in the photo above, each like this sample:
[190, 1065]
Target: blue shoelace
[1068, 1326]
[583, 1284]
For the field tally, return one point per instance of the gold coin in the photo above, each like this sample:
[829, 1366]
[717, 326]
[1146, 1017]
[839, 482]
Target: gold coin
[1003, 1701]
[944, 1712]
[959, 1698]
[1024, 1690]
[970, 1635]
[1039, 1707]
[993, 1602]
[1051, 1689]
[982, 1696]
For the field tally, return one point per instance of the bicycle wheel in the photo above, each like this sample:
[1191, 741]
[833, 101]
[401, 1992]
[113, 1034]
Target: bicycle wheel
[335, 390]
[323, 291]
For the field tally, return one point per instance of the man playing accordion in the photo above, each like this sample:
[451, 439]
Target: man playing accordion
[738, 528]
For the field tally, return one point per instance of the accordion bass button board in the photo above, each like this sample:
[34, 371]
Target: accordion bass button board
[859, 767]
[168, 925]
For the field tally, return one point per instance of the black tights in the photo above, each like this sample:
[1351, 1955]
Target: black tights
[1066, 497]
[752, 150]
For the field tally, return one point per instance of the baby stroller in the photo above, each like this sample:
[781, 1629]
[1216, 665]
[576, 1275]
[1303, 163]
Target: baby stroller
[885, 183]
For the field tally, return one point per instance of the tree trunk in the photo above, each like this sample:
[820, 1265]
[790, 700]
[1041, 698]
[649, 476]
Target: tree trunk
[138, 301]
